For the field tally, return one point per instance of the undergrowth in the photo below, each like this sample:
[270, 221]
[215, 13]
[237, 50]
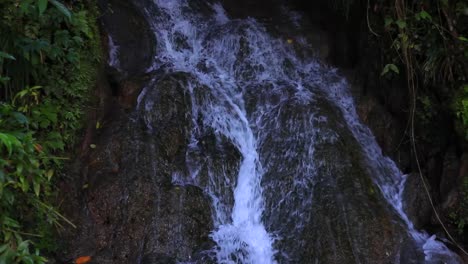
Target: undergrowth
[49, 56]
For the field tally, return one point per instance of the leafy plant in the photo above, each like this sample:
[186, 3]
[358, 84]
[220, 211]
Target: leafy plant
[390, 68]
[49, 55]
[432, 33]
[428, 42]
[461, 108]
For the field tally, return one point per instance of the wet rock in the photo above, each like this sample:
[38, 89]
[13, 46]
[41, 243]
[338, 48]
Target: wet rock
[266, 9]
[331, 212]
[129, 208]
[166, 109]
[128, 91]
[125, 23]
[157, 259]
[416, 202]
[125, 204]
[450, 172]
[386, 128]
[137, 211]
[182, 229]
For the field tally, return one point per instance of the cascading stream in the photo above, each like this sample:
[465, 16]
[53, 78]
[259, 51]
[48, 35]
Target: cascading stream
[241, 237]
[242, 79]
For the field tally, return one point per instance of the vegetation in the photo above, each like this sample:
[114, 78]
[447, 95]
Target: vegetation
[429, 42]
[425, 43]
[49, 53]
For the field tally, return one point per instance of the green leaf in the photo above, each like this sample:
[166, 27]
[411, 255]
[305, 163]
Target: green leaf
[388, 68]
[23, 245]
[4, 247]
[20, 118]
[424, 15]
[60, 7]
[24, 184]
[10, 222]
[24, 5]
[7, 256]
[4, 80]
[4, 55]
[9, 141]
[462, 38]
[50, 112]
[42, 5]
[394, 68]
[19, 169]
[37, 188]
[388, 21]
[49, 174]
[27, 260]
[401, 24]
[9, 197]
[55, 143]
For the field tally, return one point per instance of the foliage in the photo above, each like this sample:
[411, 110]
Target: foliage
[425, 42]
[429, 40]
[49, 53]
[434, 34]
[461, 108]
[460, 216]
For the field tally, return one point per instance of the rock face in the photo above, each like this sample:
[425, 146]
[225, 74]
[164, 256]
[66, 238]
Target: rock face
[383, 104]
[415, 201]
[131, 199]
[129, 209]
[341, 215]
[127, 30]
[130, 42]
[121, 195]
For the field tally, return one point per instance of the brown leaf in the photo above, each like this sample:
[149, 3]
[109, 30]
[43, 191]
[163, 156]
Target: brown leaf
[38, 147]
[83, 260]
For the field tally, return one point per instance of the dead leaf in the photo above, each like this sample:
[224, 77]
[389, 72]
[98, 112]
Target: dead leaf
[83, 260]
[38, 147]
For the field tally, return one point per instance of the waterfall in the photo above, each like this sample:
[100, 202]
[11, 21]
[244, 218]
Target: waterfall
[242, 81]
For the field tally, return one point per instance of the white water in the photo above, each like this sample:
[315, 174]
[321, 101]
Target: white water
[228, 59]
[113, 60]
[241, 237]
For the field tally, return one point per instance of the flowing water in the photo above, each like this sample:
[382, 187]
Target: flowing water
[253, 90]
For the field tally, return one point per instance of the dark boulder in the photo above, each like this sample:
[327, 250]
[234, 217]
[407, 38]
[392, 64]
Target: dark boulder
[331, 210]
[128, 31]
[416, 203]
